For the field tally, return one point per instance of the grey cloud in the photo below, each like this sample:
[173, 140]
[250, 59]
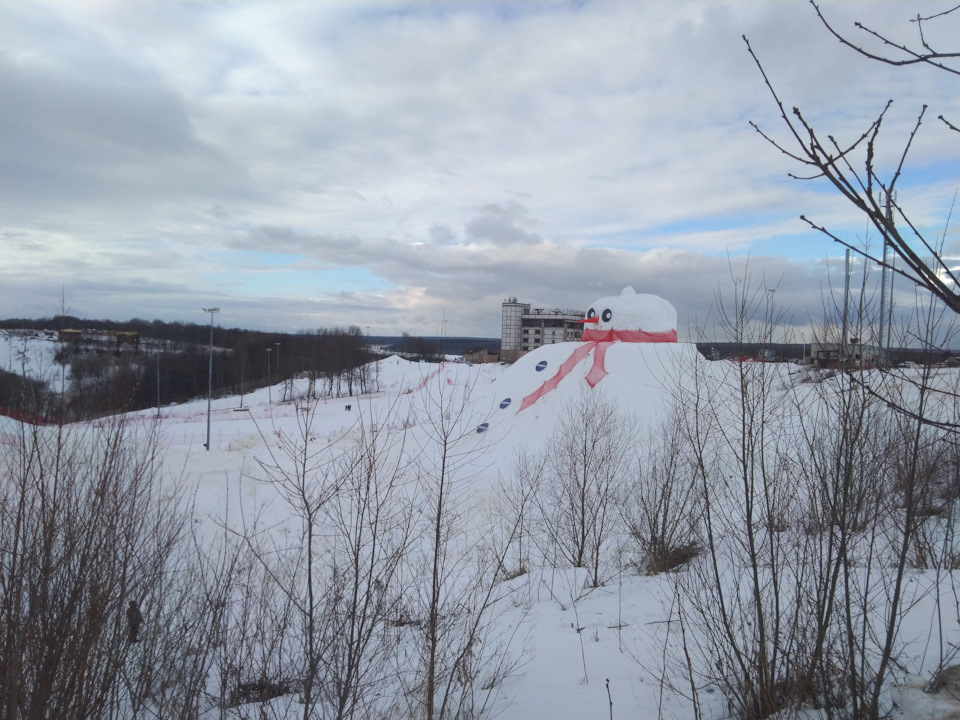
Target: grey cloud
[430, 282]
[107, 147]
[470, 280]
[456, 156]
[442, 234]
[502, 225]
[335, 249]
[87, 118]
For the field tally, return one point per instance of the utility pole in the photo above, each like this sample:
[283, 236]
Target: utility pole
[443, 337]
[212, 311]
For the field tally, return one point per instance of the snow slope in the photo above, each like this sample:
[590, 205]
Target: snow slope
[574, 640]
[571, 639]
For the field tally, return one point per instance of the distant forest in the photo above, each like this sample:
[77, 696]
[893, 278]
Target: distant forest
[171, 365]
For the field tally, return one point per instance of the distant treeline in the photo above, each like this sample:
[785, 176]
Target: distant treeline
[171, 365]
[787, 352]
[442, 345]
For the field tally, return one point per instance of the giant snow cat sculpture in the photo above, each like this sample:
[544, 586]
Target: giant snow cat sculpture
[628, 353]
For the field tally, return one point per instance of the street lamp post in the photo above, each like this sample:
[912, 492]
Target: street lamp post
[269, 391]
[212, 311]
[279, 376]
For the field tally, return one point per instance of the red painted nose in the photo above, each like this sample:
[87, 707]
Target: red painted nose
[594, 319]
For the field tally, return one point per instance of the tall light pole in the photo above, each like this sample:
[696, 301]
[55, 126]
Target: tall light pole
[212, 311]
[279, 376]
[269, 392]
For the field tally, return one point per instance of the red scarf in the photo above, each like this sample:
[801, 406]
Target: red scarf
[601, 340]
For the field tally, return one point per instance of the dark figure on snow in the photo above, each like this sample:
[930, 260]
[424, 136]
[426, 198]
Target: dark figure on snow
[134, 621]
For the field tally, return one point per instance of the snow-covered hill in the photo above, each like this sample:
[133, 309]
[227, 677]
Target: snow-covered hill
[580, 651]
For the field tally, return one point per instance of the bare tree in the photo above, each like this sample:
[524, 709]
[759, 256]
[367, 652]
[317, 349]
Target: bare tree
[84, 528]
[307, 475]
[816, 493]
[256, 657]
[369, 528]
[517, 509]
[662, 509]
[589, 455]
[742, 605]
[447, 460]
[843, 481]
[166, 673]
[850, 166]
[462, 657]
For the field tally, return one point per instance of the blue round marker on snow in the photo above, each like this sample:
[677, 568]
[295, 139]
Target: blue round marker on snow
[504, 403]
[541, 365]
[482, 427]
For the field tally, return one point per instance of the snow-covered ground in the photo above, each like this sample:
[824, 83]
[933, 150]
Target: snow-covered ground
[577, 643]
[26, 352]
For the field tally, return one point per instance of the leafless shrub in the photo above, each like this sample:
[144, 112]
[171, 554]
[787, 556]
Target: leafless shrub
[255, 659]
[84, 528]
[460, 655]
[744, 605]
[307, 476]
[517, 509]
[662, 509]
[588, 455]
[369, 526]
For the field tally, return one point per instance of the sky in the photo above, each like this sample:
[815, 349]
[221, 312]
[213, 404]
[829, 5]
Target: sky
[407, 166]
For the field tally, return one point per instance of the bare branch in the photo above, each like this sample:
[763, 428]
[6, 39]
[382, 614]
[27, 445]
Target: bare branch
[835, 166]
[913, 57]
[948, 123]
[906, 148]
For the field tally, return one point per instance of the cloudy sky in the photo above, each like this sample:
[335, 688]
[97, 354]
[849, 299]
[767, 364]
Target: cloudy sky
[395, 165]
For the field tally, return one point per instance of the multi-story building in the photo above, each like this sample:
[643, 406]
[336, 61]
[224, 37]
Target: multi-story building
[524, 328]
[511, 328]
